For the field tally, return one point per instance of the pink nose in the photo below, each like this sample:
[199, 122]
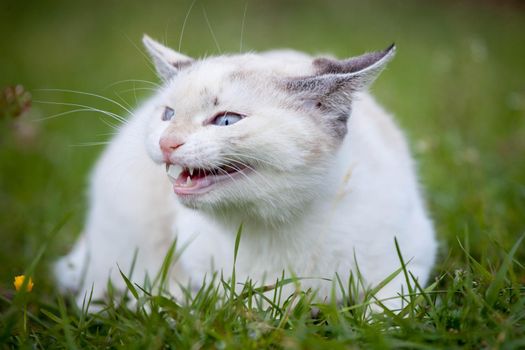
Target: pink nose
[168, 144]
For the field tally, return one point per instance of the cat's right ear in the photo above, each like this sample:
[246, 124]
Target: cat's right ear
[167, 62]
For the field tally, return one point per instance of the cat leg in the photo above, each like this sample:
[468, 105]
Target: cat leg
[69, 269]
[131, 212]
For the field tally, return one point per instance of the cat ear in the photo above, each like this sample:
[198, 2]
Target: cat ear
[334, 82]
[361, 70]
[167, 62]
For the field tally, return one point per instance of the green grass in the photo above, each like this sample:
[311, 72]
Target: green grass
[457, 87]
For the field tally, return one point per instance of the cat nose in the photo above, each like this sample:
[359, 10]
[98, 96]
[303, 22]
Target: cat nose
[168, 144]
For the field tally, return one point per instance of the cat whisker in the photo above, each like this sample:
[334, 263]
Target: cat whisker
[211, 30]
[257, 173]
[134, 90]
[256, 159]
[166, 33]
[123, 100]
[88, 108]
[268, 200]
[242, 25]
[132, 81]
[239, 162]
[139, 89]
[65, 113]
[111, 125]
[184, 23]
[148, 61]
[233, 162]
[93, 95]
[222, 171]
[235, 157]
[90, 144]
[239, 168]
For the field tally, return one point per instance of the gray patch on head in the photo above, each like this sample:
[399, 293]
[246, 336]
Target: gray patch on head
[208, 99]
[238, 75]
[336, 119]
[331, 96]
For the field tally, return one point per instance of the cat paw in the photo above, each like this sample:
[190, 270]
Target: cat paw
[68, 274]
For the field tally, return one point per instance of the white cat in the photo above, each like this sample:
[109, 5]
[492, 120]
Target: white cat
[288, 145]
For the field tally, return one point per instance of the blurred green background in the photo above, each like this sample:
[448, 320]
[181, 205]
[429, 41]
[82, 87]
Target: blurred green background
[457, 87]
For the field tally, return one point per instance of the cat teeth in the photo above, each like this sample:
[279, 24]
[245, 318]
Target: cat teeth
[191, 171]
[173, 171]
[188, 181]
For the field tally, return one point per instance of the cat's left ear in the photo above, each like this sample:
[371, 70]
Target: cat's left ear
[167, 62]
[332, 86]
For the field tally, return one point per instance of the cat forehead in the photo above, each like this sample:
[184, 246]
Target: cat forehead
[284, 62]
[227, 69]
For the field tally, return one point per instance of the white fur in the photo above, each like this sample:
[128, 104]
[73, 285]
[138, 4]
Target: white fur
[315, 206]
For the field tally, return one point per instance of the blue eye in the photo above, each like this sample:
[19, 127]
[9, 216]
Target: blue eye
[226, 118]
[167, 114]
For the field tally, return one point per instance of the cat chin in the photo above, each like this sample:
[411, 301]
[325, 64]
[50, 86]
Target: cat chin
[243, 204]
[212, 202]
[214, 197]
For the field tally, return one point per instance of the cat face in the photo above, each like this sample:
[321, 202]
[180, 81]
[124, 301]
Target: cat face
[250, 132]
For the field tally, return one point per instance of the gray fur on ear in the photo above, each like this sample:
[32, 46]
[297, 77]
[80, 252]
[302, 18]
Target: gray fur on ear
[334, 75]
[167, 62]
[331, 88]
[369, 61]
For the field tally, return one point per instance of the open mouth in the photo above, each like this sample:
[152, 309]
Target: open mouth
[192, 181]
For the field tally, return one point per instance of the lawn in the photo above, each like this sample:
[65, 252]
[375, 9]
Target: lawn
[456, 86]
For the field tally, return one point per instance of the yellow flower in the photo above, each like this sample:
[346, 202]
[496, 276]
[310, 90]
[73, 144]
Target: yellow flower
[19, 280]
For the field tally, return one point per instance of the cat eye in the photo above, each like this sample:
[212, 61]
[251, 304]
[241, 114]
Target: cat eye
[168, 113]
[226, 118]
